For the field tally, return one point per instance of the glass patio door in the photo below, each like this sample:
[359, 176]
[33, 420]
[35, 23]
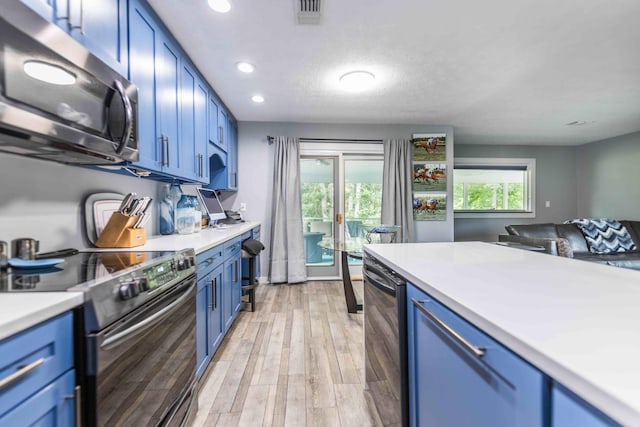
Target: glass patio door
[318, 177]
[341, 199]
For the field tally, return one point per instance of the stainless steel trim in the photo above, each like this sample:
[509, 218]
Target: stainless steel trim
[116, 339]
[128, 116]
[21, 372]
[475, 350]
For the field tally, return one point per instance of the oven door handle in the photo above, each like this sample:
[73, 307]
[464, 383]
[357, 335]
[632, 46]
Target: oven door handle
[117, 339]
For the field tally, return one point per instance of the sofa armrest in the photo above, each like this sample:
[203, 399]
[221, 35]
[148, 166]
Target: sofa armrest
[552, 245]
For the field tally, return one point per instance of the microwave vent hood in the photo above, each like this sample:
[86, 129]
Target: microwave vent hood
[90, 119]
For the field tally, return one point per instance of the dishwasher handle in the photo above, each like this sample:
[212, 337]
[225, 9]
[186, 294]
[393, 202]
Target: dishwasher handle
[379, 281]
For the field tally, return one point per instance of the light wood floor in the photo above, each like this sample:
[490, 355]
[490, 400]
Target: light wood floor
[296, 361]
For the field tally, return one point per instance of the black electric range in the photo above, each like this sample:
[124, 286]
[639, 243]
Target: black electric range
[135, 344]
[114, 283]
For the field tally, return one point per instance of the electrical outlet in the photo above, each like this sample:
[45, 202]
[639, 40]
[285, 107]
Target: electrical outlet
[243, 207]
[548, 203]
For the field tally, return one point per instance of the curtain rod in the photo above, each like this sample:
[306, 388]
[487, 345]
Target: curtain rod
[356, 141]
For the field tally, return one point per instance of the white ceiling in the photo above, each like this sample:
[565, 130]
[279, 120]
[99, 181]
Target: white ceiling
[498, 71]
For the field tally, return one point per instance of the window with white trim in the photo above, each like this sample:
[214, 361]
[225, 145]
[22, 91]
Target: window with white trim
[494, 187]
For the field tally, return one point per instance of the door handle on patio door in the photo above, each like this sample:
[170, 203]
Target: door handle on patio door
[339, 218]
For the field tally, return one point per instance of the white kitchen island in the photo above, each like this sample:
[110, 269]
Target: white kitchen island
[575, 321]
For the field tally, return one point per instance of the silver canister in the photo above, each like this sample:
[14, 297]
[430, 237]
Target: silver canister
[24, 248]
[4, 254]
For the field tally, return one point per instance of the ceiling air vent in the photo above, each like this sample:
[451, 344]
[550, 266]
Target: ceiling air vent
[309, 11]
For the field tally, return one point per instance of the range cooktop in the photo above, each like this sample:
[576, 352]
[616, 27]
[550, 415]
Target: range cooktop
[113, 283]
[82, 269]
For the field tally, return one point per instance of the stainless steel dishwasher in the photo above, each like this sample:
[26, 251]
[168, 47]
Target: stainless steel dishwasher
[385, 341]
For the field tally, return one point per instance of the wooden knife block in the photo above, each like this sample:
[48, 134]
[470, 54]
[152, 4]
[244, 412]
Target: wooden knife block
[119, 233]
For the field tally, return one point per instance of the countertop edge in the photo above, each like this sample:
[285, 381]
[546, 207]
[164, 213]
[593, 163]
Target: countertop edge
[39, 308]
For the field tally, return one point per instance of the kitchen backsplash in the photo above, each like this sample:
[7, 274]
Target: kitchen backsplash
[44, 200]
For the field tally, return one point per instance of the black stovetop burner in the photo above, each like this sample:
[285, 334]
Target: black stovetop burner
[75, 270]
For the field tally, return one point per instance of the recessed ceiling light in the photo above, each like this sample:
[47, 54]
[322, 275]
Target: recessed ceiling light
[576, 123]
[245, 67]
[222, 6]
[357, 81]
[258, 99]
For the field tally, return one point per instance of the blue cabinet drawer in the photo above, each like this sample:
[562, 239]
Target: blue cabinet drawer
[210, 259]
[41, 353]
[53, 405]
[458, 375]
[232, 247]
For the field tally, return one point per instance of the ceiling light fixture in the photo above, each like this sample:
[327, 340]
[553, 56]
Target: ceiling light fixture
[49, 73]
[357, 81]
[258, 99]
[245, 67]
[222, 6]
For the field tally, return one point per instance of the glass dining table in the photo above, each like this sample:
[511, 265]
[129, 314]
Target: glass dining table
[352, 247]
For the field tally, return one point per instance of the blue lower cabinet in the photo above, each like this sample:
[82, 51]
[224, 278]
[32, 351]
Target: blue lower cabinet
[568, 410]
[209, 331]
[53, 405]
[37, 368]
[451, 385]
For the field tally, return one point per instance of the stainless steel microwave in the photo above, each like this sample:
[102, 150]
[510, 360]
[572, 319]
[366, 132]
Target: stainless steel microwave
[58, 101]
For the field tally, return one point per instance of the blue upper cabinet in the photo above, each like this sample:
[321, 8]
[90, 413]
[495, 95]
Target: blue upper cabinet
[167, 71]
[214, 130]
[193, 125]
[144, 35]
[100, 25]
[224, 166]
[202, 130]
[155, 70]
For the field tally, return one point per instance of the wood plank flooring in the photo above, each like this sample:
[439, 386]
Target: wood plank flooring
[296, 361]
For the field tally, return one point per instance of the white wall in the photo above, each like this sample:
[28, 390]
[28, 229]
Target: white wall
[44, 200]
[256, 167]
[609, 178]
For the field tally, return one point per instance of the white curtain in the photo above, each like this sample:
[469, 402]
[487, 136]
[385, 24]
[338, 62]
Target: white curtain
[287, 264]
[397, 199]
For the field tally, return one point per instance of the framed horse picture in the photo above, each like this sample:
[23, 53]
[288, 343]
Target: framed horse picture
[429, 147]
[430, 177]
[429, 207]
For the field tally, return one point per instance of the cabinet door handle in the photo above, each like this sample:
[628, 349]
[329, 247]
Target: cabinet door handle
[168, 158]
[214, 296]
[24, 370]
[475, 350]
[74, 27]
[77, 396]
[235, 271]
[163, 161]
[221, 135]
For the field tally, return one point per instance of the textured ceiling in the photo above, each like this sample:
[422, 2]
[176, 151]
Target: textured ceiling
[498, 71]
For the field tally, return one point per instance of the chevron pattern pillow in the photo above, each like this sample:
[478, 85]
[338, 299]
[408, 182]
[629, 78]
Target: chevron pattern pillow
[604, 236]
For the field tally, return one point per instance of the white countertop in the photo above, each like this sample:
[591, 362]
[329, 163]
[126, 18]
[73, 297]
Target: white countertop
[577, 321]
[19, 311]
[205, 239]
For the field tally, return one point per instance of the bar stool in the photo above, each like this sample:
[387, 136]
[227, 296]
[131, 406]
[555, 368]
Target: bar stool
[250, 250]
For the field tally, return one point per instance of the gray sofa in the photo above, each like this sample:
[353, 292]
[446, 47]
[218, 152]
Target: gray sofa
[567, 240]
